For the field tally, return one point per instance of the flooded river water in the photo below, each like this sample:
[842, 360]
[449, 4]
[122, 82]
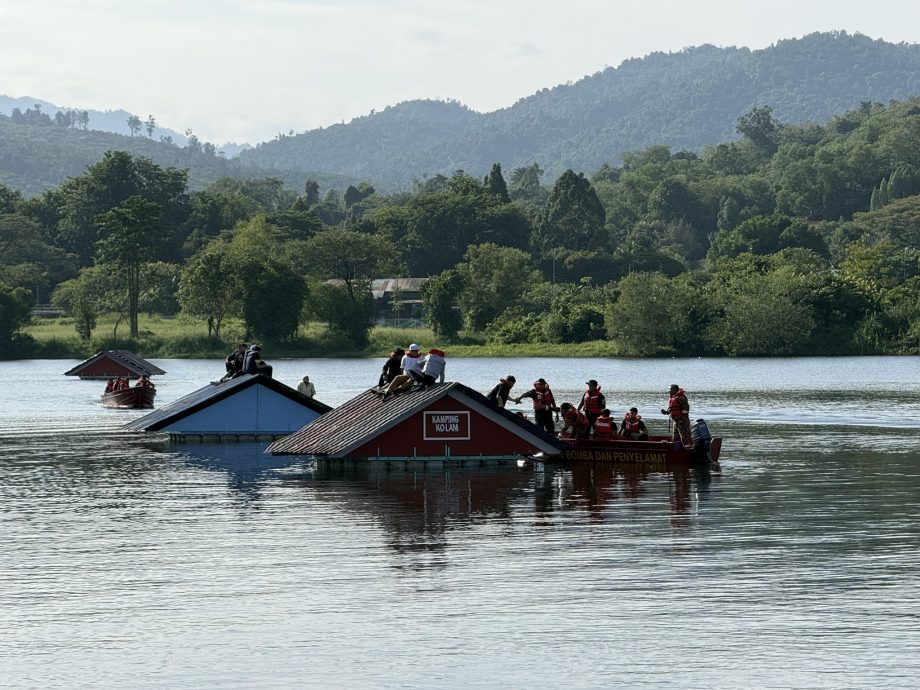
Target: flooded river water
[129, 562]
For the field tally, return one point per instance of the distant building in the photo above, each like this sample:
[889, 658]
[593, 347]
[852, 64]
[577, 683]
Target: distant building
[113, 363]
[397, 299]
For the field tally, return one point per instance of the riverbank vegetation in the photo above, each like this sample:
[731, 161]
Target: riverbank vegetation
[791, 240]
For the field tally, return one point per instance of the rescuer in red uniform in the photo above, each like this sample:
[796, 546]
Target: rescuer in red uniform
[679, 412]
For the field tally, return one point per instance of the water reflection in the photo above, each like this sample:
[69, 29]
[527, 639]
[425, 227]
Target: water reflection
[418, 506]
[608, 492]
[247, 466]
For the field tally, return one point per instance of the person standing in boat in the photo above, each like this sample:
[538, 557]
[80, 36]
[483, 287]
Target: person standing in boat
[544, 404]
[501, 393]
[604, 426]
[679, 412]
[306, 387]
[592, 401]
[391, 368]
[574, 423]
[633, 427]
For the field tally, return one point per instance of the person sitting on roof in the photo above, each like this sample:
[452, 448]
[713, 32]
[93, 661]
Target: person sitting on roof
[604, 426]
[234, 362]
[574, 423]
[432, 369]
[501, 393]
[411, 361]
[391, 368]
[633, 427]
[253, 362]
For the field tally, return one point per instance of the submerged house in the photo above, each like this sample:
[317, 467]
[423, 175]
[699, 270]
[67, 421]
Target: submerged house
[251, 407]
[445, 421]
[114, 363]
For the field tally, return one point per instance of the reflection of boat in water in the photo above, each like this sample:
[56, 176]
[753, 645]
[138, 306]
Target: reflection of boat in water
[657, 452]
[134, 398]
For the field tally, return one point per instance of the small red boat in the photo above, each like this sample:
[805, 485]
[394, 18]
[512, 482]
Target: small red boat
[654, 453]
[134, 398]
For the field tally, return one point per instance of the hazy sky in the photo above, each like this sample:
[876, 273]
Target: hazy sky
[244, 70]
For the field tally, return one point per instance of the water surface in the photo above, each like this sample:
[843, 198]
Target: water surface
[129, 562]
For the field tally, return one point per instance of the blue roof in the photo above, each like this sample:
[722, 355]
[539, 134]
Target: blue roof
[216, 392]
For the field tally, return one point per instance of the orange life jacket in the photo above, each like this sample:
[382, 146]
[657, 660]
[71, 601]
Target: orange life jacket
[676, 403]
[603, 428]
[543, 399]
[593, 402]
[631, 425]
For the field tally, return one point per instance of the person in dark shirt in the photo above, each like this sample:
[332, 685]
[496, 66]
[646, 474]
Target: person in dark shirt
[391, 368]
[501, 393]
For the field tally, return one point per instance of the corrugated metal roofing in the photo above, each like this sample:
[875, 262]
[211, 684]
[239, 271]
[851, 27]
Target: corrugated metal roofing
[212, 393]
[124, 357]
[335, 433]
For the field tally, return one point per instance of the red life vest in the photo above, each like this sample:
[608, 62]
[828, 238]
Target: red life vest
[603, 428]
[543, 399]
[630, 425]
[593, 404]
[675, 408]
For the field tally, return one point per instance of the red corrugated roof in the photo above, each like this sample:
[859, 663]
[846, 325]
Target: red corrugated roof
[338, 432]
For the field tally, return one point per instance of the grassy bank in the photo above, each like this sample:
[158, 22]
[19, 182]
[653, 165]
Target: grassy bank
[181, 338]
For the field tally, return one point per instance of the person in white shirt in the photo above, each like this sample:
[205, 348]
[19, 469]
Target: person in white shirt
[431, 370]
[306, 387]
[411, 361]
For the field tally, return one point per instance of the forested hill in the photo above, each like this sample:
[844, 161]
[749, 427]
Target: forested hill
[40, 155]
[685, 100]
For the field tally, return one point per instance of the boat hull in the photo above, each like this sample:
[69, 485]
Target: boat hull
[656, 453]
[136, 398]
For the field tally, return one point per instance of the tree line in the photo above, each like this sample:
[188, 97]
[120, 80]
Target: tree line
[778, 243]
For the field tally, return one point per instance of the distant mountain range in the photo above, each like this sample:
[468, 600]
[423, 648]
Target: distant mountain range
[685, 100]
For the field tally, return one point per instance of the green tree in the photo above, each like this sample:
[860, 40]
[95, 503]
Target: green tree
[762, 314]
[494, 278]
[108, 184]
[353, 259]
[271, 290]
[128, 236]
[651, 315]
[209, 286]
[495, 183]
[573, 218]
[15, 311]
[759, 126]
[440, 296]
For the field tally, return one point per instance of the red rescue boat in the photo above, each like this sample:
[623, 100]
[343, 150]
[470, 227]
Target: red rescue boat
[658, 452]
[134, 398]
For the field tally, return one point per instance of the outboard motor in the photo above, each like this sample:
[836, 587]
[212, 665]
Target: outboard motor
[699, 432]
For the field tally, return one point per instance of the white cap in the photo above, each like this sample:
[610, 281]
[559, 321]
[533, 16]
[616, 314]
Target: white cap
[414, 347]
